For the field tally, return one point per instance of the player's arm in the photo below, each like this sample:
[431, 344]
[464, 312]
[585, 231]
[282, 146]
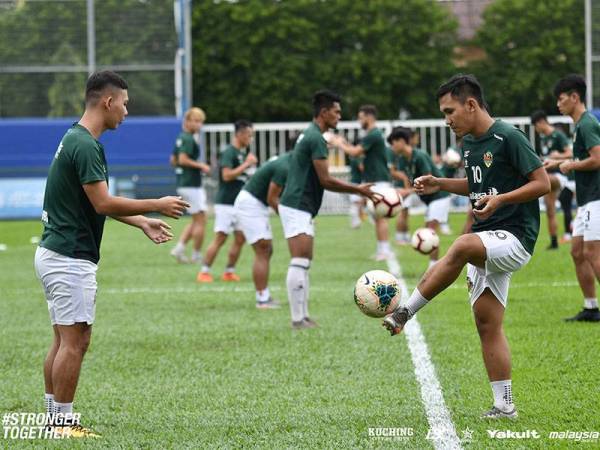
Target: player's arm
[399, 175]
[349, 149]
[428, 184]
[110, 205]
[186, 161]
[333, 184]
[173, 160]
[273, 195]
[592, 162]
[156, 230]
[230, 174]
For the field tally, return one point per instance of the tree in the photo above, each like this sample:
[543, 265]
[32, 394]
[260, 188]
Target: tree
[263, 60]
[529, 45]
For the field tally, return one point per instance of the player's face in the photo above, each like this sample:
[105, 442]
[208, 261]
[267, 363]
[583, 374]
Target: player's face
[457, 115]
[363, 120]
[245, 136]
[399, 146]
[331, 116]
[115, 106]
[194, 124]
[566, 103]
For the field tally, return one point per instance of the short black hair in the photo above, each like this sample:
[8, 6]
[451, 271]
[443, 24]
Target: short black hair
[461, 86]
[569, 84]
[370, 110]
[324, 99]
[242, 124]
[400, 133]
[538, 115]
[99, 81]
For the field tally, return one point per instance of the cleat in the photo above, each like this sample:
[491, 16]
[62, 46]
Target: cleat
[76, 431]
[585, 315]
[230, 276]
[268, 304]
[565, 239]
[304, 323]
[180, 257]
[204, 277]
[395, 322]
[497, 413]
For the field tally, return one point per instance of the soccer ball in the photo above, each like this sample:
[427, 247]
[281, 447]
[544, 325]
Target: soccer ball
[377, 293]
[452, 157]
[425, 240]
[387, 204]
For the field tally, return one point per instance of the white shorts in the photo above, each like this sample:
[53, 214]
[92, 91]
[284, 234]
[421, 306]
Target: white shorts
[562, 180]
[69, 285]
[587, 221]
[295, 222]
[226, 219]
[252, 217]
[196, 197]
[438, 210]
[505, 255]
[410, 201]
[355, 198]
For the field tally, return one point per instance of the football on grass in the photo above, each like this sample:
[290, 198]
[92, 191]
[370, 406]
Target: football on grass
[425, 240]
[377, 293]
[387, 204]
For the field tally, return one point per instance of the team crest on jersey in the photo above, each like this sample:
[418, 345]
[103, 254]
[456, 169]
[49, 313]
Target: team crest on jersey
[178, 143]
[488, 158]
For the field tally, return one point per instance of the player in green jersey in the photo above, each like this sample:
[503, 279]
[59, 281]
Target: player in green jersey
[554, 145]
[585, 246]
[504, 180]
[189, 184]
[76, 203]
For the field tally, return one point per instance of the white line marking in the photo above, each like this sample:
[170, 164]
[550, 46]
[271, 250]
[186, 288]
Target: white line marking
[442, 432]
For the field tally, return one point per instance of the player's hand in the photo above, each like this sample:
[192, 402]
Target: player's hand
[336, 140]
[550, 163]
[365, 191]
[486, 206]
[427, 184]
[555, 154]
[157, 230]
[172, 206]
[251, 159]
[565, 167]
[205, 168]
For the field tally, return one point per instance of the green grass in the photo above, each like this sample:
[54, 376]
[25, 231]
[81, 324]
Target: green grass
[174, 364]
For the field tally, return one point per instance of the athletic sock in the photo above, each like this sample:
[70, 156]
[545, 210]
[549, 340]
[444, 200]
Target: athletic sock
[553, 241]
[49, 402]
[590, 303]
[196, 255]
[385, 247]
[306, 292]
[205, 268]
[230, 269]
[296, 287]
[415, 303]
[432, 263]
[503, 398]
[179, 248]
[399, 236]
[263, 296]
[63, 408]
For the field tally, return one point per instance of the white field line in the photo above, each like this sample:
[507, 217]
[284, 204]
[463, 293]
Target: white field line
[441, 428]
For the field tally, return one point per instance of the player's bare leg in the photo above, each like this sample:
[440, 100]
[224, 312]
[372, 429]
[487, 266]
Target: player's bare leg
[48, 363]
[197, 234]
[434, 255]
[586, 256]
[233, 255]
[402, 236]
[263, 249]
[178, 251]
[204, 276]
[297, 281]
[550, 202]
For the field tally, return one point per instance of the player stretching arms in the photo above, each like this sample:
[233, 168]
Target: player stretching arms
[585, 246]
[252, 211]
[189, 184]
[504, 180]
[308, 176]
[233, 173]
[76, 203]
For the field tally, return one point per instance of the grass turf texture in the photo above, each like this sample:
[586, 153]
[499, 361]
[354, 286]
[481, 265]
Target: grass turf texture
[175, 364]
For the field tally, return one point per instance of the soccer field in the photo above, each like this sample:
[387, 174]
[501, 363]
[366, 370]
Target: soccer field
[174, 364]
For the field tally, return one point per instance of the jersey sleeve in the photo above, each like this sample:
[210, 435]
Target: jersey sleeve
[424, 166]
[591, 133]
[368, 142]
[521, 154]
[318, 148]
[280, 174]
[185, 145]
[227, 159]
[563, 141]
[89, 164]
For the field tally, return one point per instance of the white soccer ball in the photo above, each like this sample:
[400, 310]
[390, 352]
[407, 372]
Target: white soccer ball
[387, 204]
[452, 157]
[377, 293]
[425, 240]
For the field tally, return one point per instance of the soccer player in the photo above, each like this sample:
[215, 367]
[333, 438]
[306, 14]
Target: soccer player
[308, 176]
[372, 148]
[419, 163]
[585, 246]
[189, 184]
[252, 210]
[504, 180]
[76, 203]
[356, 201]
[234, 163]
[398, 172]
[555, 145]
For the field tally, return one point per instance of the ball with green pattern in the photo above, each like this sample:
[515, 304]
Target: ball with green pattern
[377, 293]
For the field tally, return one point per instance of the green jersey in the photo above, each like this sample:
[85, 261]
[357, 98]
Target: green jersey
[419, 164]
[398, 162]
[303, 189]
[555, 141]
[231, 157]
[71, 225]
[448, 171]
[187, 176]
[274, 170]
[587, 135]
[496, 163]
[355, 172]
[376, 161]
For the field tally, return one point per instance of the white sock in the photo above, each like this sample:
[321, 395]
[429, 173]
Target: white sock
[63, 408]
[306, 293]
[415, 303]
[263, 296]
[230, 269]
[296, 287]
[49, 402]
[179, 248]
[432, 262]
[503, 398]
[385, 247]
[354, 213]
[406, 236]
[196, 254]
[205, 268]
[590, 303]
